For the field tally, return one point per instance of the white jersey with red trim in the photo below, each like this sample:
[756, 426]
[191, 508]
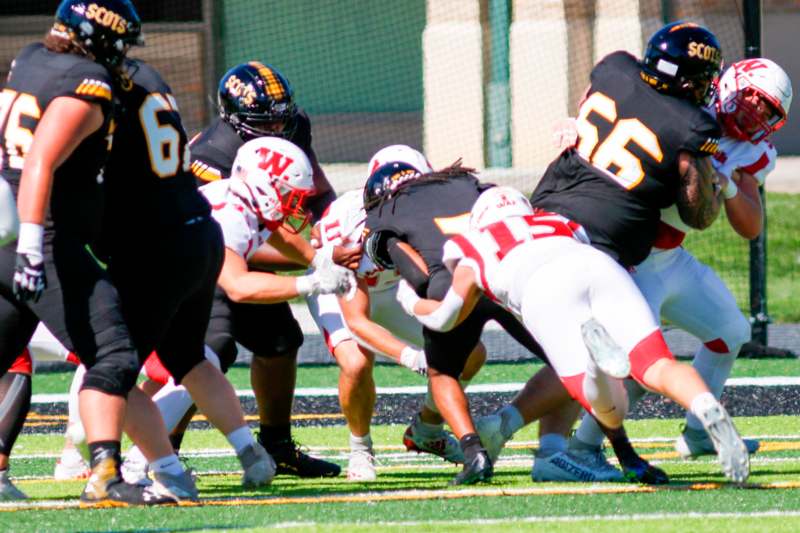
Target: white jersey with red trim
[242, 229]
[757, 159]
[342, 224]
[506, 253]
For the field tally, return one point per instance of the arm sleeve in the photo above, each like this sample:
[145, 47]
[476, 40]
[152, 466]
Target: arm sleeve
[406, 267]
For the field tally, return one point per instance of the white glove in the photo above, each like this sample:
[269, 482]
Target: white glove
[331, 279]
[414, 359]
[323, 258]
[406, 296]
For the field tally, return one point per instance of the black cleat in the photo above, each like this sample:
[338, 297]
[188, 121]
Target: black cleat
[643, 472]
[478, 469]
[291, 461]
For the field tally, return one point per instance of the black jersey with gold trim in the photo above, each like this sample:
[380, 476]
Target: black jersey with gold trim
[425, 213]
[624, 168]
[39, 76]
[148, 181]
[214, 149]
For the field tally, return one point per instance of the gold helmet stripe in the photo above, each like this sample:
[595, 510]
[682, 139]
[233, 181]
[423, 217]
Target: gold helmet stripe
[275, 88]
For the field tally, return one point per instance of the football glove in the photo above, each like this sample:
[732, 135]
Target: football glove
[29, 276]
[414, 359]
[331, 279]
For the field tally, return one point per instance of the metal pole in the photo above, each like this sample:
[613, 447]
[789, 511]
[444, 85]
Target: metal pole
[758, 246]
[499, 105]
[212, 55]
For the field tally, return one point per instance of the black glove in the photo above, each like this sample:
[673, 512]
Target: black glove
[29, 278]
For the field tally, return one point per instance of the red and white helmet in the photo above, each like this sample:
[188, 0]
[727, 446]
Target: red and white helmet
[496, 204]
[399, 153]
[270, 166]
[739, 114]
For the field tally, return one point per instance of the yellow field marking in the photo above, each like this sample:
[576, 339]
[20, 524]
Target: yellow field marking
[37, 420]
[427, 494]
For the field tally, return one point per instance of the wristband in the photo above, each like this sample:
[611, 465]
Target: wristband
[730, 190]
[31, 238]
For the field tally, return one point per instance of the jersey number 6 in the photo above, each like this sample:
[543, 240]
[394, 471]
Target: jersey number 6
[163, 140]
[612, 151]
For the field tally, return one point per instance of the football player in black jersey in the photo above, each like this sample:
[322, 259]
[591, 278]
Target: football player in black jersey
[409, 218]
[644, 143]
[167, 301]
[256, 100]
[55, 131]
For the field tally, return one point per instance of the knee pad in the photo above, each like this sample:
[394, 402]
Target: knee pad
[115, 373]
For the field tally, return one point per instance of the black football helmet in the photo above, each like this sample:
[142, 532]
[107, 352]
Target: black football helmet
[683, 59]
[385, 180]
[104, 28]
[257, 101]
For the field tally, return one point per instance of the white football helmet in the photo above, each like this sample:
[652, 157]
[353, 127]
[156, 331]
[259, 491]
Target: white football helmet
[399, 153]
[267, 166]
[496, 204]
[741, 117]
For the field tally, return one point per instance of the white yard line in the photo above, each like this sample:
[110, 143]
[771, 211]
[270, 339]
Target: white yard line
[773, 381]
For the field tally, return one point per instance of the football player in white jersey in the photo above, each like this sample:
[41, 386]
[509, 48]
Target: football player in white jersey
[752, 102]
[9, 219]
[373, 321]
[583, 307]
[271, 178]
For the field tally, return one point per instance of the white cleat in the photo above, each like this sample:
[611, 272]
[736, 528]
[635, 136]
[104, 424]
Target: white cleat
[696, 442]
[570, 466]
[731, 451]
[182, 486]
[605, 352]
[258, 466]
[442, 443]
[361, 466]
[8, 491]
[71, 466]
[135, 472]
[490, 430]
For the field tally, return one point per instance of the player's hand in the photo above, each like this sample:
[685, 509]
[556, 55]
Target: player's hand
[414, 359]
[347, 257]
[29, 277]
[407, 297]
[565, 133]
[333, 279]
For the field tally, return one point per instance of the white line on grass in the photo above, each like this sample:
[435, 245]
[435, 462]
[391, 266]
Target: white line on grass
[776, 381]
[547, 519]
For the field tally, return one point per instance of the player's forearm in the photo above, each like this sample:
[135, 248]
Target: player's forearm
[270, 259]
[293, 246]
[698, 202]
[376, 338]
[34, 191]
[260, 288]
[744, 209]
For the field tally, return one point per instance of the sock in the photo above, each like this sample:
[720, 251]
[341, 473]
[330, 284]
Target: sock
[102, 450]
[702, 403]
[714, 368]
[169, 464]
[471, 446]
[622, 446]
[173, 401]
[274, 434]
[176, 439]
[361, 443]
[512, 421]
[604, 394]
[240, 438]
[429, 403]
[426, 430]
[551, 443]
[589, 432]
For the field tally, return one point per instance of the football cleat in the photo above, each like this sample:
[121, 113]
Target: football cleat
[581, 462]
[640, 471]
[731, 451]
[105, 488]
[257, 465]
[71, 465]
[604, 351]
[8, 491]
[290, 460]
[361, 466]
[182, 486]
[696, 442]
[443, 444]
[475, 471]
[135, 470]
